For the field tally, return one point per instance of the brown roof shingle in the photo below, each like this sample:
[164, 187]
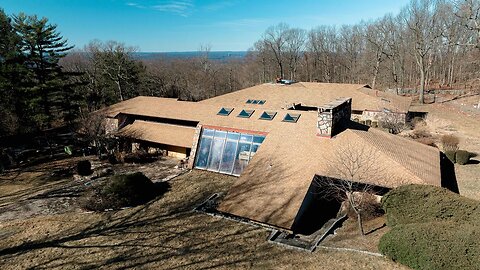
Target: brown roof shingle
[159, 133]
[273, 186]
[279, 96]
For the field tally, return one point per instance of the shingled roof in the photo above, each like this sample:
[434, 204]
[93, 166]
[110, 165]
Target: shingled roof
[280, 96]
[159, 133]
[273, 186]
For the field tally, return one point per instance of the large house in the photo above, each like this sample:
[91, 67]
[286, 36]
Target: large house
[276, 138]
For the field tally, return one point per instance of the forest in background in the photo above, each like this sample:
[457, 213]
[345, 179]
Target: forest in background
[45, 82]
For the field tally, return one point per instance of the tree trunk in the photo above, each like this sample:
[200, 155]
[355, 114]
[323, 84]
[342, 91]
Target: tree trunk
[375, 73]
[422, 87]
[360, 223]
[357, 211]
[119, 90]
[421, 66]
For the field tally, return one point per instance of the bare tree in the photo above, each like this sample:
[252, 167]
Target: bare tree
[392, 121]
[469, 13]
[92, 129]
[294, 44]
[114, 60]
[275, 39]
[352, 172]
[204, 56]
[421, 18]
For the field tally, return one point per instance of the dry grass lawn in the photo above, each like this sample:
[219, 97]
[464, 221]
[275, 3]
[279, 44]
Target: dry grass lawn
[461, 119]
[164, 234]
[167, 234]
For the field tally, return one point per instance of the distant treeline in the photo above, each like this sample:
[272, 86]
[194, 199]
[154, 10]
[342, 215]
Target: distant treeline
[45, 83]
[213, 55]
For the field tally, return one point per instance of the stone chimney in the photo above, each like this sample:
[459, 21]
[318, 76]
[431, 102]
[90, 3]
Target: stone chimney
[332, 115]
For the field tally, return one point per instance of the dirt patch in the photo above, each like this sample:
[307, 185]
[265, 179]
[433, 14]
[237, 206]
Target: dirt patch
[38, 190]
[463, 122]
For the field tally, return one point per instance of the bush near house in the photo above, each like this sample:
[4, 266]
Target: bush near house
[84, 168]
[433, 245]
[122, 191]
[449, 142]
[421, 203]
[451, 155]
[462, 157]
[432, 228]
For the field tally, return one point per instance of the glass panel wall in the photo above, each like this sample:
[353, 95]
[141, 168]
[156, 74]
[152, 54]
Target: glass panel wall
[226, 152]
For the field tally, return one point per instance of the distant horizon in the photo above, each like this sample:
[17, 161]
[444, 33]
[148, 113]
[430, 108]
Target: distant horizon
[189, 51]
[185, 25]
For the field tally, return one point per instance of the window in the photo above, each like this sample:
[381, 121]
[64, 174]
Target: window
[226, 151]
[267, 115]
[225, 111]
[256, 101]
[290, 117]
[245, 113]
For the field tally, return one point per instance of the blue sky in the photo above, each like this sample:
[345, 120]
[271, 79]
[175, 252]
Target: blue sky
[185, 25]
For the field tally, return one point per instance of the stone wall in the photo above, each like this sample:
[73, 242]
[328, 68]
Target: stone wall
[111, 125]
[373, 118]
[196, 137]
[331, 115]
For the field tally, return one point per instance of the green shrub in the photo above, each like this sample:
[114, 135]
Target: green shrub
[433, 245]
[451, 155]
[462, 157]
[124, 190]
[84, 168]
[432, 228]
[422, 203]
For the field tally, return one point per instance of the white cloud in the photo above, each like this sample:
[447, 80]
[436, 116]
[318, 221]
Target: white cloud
[180, 7]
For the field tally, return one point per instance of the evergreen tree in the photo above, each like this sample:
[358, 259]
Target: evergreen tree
[42, 47]
[11, 71]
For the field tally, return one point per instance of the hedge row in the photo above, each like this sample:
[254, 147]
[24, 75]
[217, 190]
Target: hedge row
[434, 245]
[431, 228]
[422, 203]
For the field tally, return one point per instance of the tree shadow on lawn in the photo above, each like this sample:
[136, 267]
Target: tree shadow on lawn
[159, 231]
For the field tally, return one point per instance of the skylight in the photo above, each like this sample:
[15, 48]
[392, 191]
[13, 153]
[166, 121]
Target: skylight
[256, 101]
[225, 111]
[290, 117]
[245, 113]
[267, 115]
